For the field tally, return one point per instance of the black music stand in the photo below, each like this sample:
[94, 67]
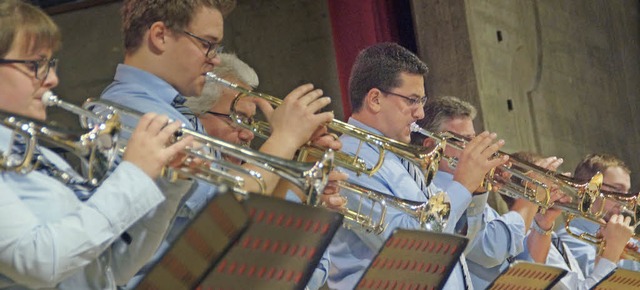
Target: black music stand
[619, 279]
[200, 246]
[279, 250]
[412, 259]
[526, 275]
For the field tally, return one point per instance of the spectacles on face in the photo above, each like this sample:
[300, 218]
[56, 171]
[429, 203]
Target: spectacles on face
[411, 101]
[213, 48]
[233, 120]
[40, 67]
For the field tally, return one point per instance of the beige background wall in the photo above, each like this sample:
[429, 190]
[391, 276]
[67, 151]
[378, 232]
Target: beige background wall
[556, 77]
[568, 69]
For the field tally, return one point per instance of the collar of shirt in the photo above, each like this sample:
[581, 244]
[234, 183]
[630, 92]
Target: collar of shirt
[159, 87]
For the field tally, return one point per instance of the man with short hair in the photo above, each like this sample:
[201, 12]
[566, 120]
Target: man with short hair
[493, 237]
[387, 93]
[616, 177]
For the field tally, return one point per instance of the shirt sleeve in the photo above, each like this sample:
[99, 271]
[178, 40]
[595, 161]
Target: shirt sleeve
[501, 238]
[41, 253]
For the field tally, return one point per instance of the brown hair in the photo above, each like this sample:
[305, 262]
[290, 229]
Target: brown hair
[139, 15]
[379, 66]
[597, 162]
[34, 26]
[440, 109]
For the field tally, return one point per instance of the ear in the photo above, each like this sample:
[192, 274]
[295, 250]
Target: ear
[429, 142]
[373, 100]
[157, 37]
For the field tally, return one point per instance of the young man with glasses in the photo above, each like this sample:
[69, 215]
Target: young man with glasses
[65, 233]
[387, 91]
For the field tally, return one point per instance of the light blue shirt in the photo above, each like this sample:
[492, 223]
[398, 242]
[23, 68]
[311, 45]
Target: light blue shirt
[493, 238]
[574, 278]
[584, 252]
[146, 92]
[49, 238]
[353, 250]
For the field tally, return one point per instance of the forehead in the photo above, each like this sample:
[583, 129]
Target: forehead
[26, 46]
[207, 23]
[616, 175]
[412, 82]
[459, 125]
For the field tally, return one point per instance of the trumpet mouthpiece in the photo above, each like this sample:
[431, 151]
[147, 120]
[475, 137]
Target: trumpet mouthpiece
[415, 127]
[49, 99]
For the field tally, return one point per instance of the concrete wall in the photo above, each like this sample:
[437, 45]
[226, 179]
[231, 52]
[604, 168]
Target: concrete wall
[288, 42]
[556, 77]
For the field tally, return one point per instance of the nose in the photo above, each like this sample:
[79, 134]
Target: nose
[418, 112]
[52, 80]
[245, 135]
[214, 60]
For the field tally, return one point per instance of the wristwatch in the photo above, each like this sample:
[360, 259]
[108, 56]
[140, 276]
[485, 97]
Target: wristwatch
[541, 231]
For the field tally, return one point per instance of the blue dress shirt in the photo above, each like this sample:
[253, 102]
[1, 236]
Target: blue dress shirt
[49, 238]
[584, 252]
[146, 92]
[493, 238]
[574, 279]
[353, 250]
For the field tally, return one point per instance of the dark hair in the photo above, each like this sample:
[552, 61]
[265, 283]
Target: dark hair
[440, 109]
[597, 162]
[139, 15]
[37, 29]
[379, 66]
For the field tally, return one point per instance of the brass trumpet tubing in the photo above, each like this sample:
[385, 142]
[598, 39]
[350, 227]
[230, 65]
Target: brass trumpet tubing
[427, 160]
[599, 242]
[310, 177]
[24, 128]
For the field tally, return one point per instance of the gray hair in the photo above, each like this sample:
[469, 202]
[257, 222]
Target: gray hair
[230, 67]
[440, 109]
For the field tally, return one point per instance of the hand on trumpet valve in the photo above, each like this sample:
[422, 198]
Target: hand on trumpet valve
[477, 158]
[331, 197]
[150, 148]
[616, 234]
[326, 140]
[294, 121]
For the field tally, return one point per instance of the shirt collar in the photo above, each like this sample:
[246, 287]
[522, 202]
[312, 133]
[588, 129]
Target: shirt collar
[359, 124]
[160, 88]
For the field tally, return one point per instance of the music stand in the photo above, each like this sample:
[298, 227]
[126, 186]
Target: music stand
[619, 279]
[201, 244]
[526, 275]
[412, 259]
[279, 250]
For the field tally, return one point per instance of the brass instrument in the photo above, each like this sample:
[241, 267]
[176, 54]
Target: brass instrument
[594, 211]
[89, 146]
[426, 159]
[308, 176]
[522, 179]
[370, 210]
[431, 215]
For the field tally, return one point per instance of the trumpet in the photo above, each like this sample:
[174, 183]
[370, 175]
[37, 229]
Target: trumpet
[426, 159]
[308, 176]
[91, 147]
[431, 215]
[625, 204]
[522, 179]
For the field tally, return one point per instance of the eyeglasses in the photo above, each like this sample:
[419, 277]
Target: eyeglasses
[412, 101]
[233, 120]
[39, 67]
[213, 48]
